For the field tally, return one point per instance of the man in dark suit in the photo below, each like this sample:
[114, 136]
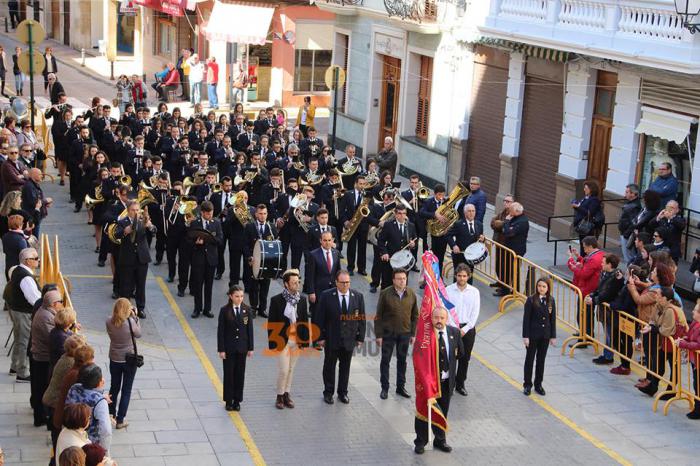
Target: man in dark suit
[221, 202]
[430, 211]
[158, 214]
[357, 244]
[119, 204]
[298, 235]
[411, 196]
[259, 229]
[396, 235]
[450, 349]
[234, 345]
[515, 231]
[234, 231]
[321, 226]
[463, 234]
[350, 160]
[321, 268]
[205, 258]
[55, 88]
[246, 141]
[341, 321]
[134, 257]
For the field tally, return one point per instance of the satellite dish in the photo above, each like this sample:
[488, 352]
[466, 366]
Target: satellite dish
[19, 108]
[289, 37]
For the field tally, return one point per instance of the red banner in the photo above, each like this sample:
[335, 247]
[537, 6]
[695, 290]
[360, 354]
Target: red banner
[425, 354]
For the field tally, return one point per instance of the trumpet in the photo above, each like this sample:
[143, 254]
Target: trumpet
[423, 192]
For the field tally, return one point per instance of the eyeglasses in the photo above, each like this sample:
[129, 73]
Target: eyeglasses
[33, 258]
[13, 152]
[657, 236]
[343, 283]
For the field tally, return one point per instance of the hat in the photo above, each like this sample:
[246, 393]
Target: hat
[51, 297]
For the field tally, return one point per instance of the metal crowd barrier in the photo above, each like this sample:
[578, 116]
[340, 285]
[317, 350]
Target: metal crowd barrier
[688, 386]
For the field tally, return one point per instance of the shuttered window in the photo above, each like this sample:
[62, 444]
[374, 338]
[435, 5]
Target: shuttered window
[423, 113]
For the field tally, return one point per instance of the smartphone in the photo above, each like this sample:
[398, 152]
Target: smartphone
[571, 249]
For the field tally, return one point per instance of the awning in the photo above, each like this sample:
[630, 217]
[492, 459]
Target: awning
[525, 49]
[170, 7]
[242, 24]
[665, 125]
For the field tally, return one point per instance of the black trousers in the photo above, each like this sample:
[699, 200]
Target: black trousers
[14, 13]
[202, 280]
[116, 279]
[133, 278]
[438, 244]
[161, 241]
[590, 321]
[332, 358]
[297, 244]
[234, 376]
[74, 182]
[235, 256]
[221, 265]
[381, 271]
[421, 426]
[401, 342]
[257, 289]
[39, 371]
[463, 362]
[536, 350]
[172, 246]
[2, 83]
[357, 251]
[621, 341]
[183, 267]
[105, 248]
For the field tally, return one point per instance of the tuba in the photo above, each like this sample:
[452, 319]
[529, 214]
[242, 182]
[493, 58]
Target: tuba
[145, 197]
[240, 210]
[361, 212]
[437, 228]
[298, 204]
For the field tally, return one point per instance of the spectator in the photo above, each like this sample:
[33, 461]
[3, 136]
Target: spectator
[387, 157]
[138, 91]
[586, 268]
[623, 342]
[161, 76]
[212, 81]
[76, 419]
[95, 455]
[33, 199]
[609, 286]
[515, 231]
[170, 84]
[89, 390]
[72, 456]
[124, 93]
[13, 242]
[651, 205]
[12, 172]
[121, 325]
[22, 292]
[240, 81]
[39, 364]
[64, 323]
[3, 71]
[305, 116]
[183, 68]
[196, 76]
[670, 224]
[659, 242]
[19, 76]
[641, 254]
[51, 67]
[665, 184]
[630, 210]
[691, 343]
[695, 265]
[477, 197]
[13, 7]
[588, 209]
[55, 89]
[497, 223]
[668, 320]
[60, 370]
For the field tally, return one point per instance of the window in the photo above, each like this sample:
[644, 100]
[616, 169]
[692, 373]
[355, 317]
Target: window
[423, 113]
[164, 37]
[310, 70]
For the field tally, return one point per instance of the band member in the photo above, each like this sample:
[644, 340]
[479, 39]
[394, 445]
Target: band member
[357, 245]
[280, 212]
[205, 258]
[255, 187]
[272, 191]
[341, 321]
[331, 197]
[321, 226]
[450, 349]
[158, 213]
[134, 256]
[396, 235]
[313, 176]
[175, 239]
[429, 211]
[321, 268]
[311, 145]
[377, 211]
[539, 331]
[467, 302]
[349, 164]
[136, 156]
[411, 196]
[221, 202]
[234, 229]
[206, 189]
[248, 140]
[463, 234]
[395, 325]
[288, 331]
[300, 219]
[119, 205]
[234, 345]
[259, 229]
[75, 160]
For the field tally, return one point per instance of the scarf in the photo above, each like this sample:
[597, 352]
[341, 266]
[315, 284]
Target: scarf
[291, 308]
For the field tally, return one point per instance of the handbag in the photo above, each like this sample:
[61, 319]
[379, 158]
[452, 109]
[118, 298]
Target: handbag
[585, 226]
[133, 359]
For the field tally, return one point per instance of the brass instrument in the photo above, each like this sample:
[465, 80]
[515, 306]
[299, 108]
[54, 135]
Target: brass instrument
[188, 210]
[90, 202]
[361, 212]
[298, 164]
[145, 197]
[240, 210]
[439, 228]
[126, 179]
[423, 192]
[216, 188]
[247, 178]
[373, 233]
[148, 187]
[112, 228]
[371, 180]
[314, 179]
[349, 168]
[298, 203]
[338, 192]
[174, 210]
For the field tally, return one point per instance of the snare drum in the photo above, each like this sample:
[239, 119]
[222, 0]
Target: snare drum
[267, 259]
[475, 253]
[402, 260]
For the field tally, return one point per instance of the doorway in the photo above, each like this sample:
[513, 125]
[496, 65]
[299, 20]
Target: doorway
[601, 127]
[126, 25]
[55, 20]
[389, 110]
[66, 22]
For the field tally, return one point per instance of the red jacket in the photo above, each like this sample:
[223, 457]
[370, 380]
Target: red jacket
[692, 343]
[587, 271]
[172, 79]
[137, 91]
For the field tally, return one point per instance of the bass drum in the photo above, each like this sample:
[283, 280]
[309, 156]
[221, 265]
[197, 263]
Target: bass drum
[402, 260]
[267, 259]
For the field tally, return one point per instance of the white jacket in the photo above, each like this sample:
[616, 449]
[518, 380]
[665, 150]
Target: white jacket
[196, 72]
[70, 438]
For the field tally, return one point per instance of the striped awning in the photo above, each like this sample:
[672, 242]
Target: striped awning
[526, 49]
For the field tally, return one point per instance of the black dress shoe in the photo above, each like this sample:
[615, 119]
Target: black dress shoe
[229, 406]
[195, 314]
[500, 292]
[217, 276]
[526, 391]
[97, 249]
[170, 279]
[209, 314]
[351, 273]
[76, 210]
[328, 399]
[115, 295]
[181, 293]
[262, 314]
[415, 269]
[236, 406]
[100, 264]
[419, 449]
[402, 392]
[344, 399]
[362, 272]
[539, 390]
[494, 284]
[442, 446]
[141, 314]
[372, 289]
[384, 394]
[461, 390]
[157, 262]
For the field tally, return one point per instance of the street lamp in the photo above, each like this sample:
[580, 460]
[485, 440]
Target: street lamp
[689, 10]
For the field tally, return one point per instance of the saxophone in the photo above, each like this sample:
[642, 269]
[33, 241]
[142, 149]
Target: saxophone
[240, 210]
[437, 228]
[361, 212]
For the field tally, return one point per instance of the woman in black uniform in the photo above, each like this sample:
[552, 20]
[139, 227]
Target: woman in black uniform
[539, 331]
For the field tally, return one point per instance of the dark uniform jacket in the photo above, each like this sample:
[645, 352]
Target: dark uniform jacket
[338, 331]
[539, 321]
[317, 276]
[459, 234]
[235, 332]
[134, 246]
[390, 240]
[207, 253]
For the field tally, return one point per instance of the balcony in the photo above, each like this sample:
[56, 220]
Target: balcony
[642, 32]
